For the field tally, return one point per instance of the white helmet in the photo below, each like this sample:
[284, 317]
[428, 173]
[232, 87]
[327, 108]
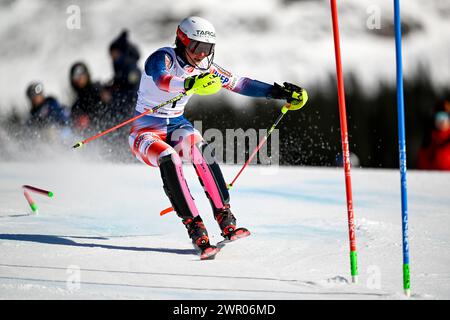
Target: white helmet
[198, 29]
[197, 35]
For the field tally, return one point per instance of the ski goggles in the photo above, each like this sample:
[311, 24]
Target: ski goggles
[194, 46]
[198, 47]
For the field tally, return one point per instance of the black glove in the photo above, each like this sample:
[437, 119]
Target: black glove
[294, 95]
[285, 92]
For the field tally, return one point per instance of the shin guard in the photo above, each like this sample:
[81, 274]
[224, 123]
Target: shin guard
[210, 176]
[176, 187]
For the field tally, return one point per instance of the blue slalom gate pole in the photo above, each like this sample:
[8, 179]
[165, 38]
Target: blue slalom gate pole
[402, 146]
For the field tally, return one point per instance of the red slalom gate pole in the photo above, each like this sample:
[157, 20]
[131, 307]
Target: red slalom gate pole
[345, 144]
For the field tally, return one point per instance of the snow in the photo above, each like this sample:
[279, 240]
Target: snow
[103, 228]
[270, 42]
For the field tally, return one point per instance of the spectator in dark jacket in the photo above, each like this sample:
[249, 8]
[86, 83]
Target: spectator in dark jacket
[127, 75]
[91, 98]
[45, 111]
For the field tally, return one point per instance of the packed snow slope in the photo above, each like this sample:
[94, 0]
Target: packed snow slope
[101, 236]
[269, 40]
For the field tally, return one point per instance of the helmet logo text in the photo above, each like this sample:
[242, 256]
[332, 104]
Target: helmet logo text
[203, 33]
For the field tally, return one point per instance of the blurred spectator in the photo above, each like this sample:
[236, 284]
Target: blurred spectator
[354, 160]
[127, 75]
[45, 111]
[441, 105]
[91, 98]
[436, 154]
[446, 106]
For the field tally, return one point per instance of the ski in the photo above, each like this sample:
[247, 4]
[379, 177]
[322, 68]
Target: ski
[209, 253]
[237, 234]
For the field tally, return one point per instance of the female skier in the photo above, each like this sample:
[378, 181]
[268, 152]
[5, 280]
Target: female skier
[163, 138]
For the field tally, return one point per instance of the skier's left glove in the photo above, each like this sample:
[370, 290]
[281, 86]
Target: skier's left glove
[295, 95]
[202, 84]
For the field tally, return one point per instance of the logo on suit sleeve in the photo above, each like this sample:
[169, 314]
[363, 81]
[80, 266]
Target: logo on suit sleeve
[223, 74]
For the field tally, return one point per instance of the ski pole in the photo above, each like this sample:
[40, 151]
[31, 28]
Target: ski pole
[174, 99]
[284, 109]
[215, 85]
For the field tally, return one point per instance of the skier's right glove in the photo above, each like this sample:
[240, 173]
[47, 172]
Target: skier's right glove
[202, 84]
[293, 94]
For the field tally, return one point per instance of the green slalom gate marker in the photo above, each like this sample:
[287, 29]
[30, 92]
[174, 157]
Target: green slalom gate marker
[354, 264]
